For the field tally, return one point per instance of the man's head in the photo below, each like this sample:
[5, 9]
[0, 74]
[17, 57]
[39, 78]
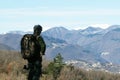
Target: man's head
[37, 30]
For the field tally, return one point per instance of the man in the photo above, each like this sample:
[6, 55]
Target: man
[37, 32]
[35, 64]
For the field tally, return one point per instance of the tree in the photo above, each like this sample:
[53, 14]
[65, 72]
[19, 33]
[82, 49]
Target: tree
[56, 66]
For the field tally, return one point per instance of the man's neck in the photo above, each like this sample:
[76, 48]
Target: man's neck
[36, 34]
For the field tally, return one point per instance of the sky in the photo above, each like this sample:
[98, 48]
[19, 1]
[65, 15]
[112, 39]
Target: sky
[22, 15]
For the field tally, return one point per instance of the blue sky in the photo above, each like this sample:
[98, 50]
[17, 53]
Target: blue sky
[72, 14]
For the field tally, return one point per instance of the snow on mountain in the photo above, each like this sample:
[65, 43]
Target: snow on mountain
[56, 32]
[105, 53]
[91, 30]
[19, 32]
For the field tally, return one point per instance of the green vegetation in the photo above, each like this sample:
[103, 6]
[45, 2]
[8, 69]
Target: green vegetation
[11, 68]
[54, 68]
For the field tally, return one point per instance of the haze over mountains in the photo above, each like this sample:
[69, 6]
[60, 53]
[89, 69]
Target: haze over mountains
[90, 44]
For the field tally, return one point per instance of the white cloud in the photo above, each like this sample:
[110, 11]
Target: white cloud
[43, 11]
[104, 26]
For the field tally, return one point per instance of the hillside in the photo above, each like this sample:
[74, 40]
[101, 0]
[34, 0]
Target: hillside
[11, 40]
[12, 69]
[5, 47]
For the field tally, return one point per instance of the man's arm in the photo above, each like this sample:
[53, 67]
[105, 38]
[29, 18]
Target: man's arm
[42, 45]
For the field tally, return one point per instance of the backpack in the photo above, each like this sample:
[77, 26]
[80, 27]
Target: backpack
[30, 47]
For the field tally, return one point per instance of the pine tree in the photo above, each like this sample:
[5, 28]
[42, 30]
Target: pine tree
[58, 65]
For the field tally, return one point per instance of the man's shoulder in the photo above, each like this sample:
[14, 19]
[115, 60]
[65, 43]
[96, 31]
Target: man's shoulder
[39, 37]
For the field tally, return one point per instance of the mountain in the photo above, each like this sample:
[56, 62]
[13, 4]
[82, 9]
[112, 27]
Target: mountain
[90, 44]
[11, 40]
[74, 52]
[5, 47]
[113, 27]
[94, 41]
[74, 36]
[111, 45]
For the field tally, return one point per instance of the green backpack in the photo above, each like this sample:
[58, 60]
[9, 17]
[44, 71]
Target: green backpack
[30, 47]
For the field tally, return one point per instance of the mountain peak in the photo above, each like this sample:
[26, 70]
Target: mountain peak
[57, 30]
[113, 27]
[90, 28]
[61, 28]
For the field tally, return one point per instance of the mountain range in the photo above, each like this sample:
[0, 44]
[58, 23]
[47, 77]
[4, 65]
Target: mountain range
[90, 44]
